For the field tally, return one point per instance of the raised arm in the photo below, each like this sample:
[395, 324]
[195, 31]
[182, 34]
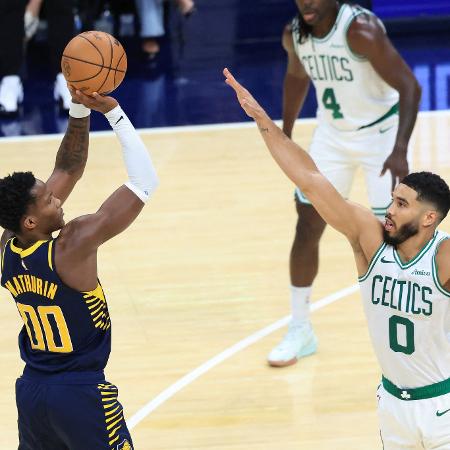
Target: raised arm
[348, 218]
[72, 154]
[124, 205]
[296, 84]
[76, 250]
[366, 37]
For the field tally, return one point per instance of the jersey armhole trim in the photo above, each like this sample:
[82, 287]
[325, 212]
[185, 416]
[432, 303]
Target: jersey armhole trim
[50, 255]
[434, 269]
[373, 262]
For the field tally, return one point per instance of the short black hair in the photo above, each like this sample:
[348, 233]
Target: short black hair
[430, 188]
[15, 197]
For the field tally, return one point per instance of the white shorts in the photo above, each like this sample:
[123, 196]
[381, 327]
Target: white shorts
[416, 424]
[338, 154]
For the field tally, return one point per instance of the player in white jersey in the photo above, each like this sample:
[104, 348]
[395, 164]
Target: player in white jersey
[404, 273]
[368, 100]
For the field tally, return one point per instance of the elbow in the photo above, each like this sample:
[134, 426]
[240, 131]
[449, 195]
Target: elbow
[78, 173]
[417, 91]
[411, 91]
[309, 182]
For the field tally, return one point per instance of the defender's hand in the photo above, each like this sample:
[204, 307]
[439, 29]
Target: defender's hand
[246, 100]
[397, 164]
[95, 101]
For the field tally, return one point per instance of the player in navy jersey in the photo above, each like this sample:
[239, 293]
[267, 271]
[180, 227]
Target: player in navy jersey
[63, 399]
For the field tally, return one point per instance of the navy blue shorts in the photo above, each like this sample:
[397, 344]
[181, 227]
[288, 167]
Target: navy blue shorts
[70, 416]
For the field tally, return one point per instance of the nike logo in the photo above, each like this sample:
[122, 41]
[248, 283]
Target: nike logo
[386, 261]
[121, 117]
[383, 130]
[439, 414]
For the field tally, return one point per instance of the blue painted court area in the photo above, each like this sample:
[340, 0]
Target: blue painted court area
[184, 86]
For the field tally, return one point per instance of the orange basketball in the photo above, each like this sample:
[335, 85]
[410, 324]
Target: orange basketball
[94, 61]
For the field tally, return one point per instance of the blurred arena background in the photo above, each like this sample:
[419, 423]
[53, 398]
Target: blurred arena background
[184, 84]
[197, 288]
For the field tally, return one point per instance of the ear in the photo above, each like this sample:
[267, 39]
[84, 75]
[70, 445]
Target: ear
[430, 218]
[30, 223]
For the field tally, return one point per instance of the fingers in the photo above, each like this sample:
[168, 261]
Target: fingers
[231, 81]
[229, 77]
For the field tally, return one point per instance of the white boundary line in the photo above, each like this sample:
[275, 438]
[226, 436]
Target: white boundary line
[186, 128]
[169, 392]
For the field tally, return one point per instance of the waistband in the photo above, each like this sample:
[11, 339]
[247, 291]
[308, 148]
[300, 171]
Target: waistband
[391, 112]
[37, 376]
[420, 393]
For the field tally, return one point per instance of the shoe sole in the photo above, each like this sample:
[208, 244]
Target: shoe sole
[307, 351]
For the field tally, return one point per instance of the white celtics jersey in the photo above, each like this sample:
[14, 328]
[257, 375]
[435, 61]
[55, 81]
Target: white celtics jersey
[408, 315]
[350, 93]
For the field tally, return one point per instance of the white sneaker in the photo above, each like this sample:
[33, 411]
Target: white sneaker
[299, 341]
[11, 95]
[61, 92]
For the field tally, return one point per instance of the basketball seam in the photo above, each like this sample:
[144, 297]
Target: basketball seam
[110, 63]
[117, 70]
[84, 79]
[96, 48]
[93, 64]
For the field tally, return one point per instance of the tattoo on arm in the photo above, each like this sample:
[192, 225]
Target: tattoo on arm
[73, 151]
[263, 130]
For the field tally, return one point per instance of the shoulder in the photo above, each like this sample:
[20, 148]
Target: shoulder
[443, 262]
[370, 230]
[76, 233]
[443, 252]
[365, 29]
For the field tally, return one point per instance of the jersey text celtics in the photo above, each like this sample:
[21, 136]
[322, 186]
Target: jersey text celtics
[350, 93]
[408, 315]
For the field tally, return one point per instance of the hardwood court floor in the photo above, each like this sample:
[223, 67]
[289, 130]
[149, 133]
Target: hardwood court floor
[205, 266]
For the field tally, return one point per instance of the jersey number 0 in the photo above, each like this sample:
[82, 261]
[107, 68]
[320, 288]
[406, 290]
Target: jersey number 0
[54, 328]
[394, 323]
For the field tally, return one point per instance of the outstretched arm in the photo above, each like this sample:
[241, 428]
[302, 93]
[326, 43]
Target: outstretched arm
[366, 37]
[72, 154]
[301, 169]
[125, 204]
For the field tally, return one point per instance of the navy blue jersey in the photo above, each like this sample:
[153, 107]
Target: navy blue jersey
[64, 329]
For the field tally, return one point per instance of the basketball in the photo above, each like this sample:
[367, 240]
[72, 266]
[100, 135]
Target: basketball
[94, 61]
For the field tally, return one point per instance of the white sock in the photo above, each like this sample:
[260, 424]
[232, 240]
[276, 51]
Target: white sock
[300, 304]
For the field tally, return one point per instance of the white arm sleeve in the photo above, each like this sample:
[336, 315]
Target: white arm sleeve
[143, 179]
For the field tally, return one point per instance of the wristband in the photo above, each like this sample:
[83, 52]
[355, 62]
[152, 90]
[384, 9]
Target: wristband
[78, 111]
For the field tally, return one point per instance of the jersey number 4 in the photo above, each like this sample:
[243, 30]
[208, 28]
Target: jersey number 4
[54, 328]
[397, 323]
[329, 101]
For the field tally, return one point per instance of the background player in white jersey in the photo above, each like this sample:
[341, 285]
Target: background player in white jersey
[368, 100]
[404, 270]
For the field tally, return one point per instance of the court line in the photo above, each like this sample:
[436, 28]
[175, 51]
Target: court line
[169, 392]
[186, 128]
